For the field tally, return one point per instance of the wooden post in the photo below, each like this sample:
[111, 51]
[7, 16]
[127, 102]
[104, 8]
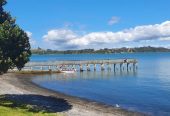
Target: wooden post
[133, 66]
[114, 67]
[94, 67]
[88, 67]
[41, 68]
[81, 68]
[31, 68]
[121, 66]
[49, 68]
[102, 67]
[127, 66]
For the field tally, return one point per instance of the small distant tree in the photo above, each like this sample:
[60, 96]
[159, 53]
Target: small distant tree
[14, 43]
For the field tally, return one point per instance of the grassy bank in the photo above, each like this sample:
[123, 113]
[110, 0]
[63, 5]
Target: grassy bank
[12, 108]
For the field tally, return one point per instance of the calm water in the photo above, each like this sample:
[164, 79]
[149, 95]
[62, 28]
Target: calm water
[146, 90]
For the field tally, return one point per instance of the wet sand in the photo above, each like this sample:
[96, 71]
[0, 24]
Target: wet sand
[20, 87]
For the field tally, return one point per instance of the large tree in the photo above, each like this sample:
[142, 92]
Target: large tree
[14, 43]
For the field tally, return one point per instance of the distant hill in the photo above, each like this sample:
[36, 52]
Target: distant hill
[102, 51]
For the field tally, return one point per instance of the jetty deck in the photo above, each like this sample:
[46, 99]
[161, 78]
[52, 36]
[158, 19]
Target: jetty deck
[82, 65]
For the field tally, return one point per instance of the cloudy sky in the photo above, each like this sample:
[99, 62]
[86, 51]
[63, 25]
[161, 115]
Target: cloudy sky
[79, 24]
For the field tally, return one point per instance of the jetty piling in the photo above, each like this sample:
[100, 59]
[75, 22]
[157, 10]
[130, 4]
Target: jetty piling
[94, 67]
[88, 67]
[121, 66]
[81, 67]
[102, 67]
[114, 67]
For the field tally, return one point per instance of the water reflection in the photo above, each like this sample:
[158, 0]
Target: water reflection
[87, 75]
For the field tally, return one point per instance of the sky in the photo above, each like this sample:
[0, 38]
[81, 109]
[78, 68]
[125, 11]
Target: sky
[83, 24]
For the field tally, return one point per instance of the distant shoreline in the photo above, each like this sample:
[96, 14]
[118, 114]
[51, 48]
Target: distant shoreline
[98, 53]
[23, 84]
[102, 51]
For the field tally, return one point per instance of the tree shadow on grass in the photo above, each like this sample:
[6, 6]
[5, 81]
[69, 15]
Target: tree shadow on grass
[35, 103]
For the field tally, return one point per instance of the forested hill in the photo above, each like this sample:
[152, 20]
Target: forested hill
[102, 51]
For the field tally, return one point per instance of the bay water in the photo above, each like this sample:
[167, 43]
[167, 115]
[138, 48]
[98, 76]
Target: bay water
[146, 89]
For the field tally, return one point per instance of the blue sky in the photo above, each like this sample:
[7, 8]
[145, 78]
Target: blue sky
[78, 24]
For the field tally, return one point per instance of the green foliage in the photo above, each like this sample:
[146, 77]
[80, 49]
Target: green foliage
[14, 43]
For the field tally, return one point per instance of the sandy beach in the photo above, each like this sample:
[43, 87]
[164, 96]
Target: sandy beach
[20, 87]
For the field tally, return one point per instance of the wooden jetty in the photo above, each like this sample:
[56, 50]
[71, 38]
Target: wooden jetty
[81, 65]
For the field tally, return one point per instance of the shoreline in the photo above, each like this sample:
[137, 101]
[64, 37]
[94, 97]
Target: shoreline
[102, 53]
[23, 84]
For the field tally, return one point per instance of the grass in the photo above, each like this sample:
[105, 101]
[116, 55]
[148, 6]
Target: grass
[12, 108]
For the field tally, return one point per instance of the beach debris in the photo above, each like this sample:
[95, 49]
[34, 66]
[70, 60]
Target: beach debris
[117, 106]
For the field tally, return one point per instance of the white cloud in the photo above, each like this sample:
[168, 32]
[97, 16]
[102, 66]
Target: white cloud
[29, 34]
[61, 38]
[165, 39]
[113, 20]
[32, 41]
[68, 39]
[60, 35]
